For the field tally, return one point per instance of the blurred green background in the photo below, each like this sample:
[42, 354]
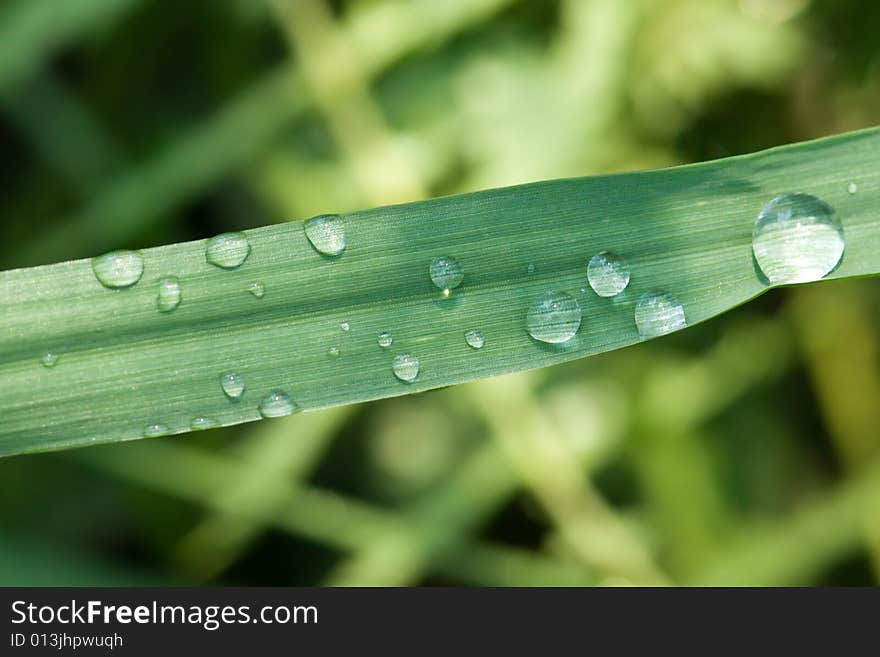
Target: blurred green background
[742, 451]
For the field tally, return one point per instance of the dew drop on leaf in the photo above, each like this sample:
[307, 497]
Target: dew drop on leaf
[554, 318]
[406, 367]
[169, 295]
[659, 313]
[797, 238]
[201, 423]
[227, 250]
[384, 339]
[607, 274]
[475, 338]
[49, 359]
[277, 404]
[118, 269]
[233, 385]
[257, 289]
[156, 430]
[326, 233]
[446, 273]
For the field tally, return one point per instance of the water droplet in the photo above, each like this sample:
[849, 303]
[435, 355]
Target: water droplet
[797, 238]
[607, 274]
[228, 250]
[475, 338]
[257, 289]
[345, 326]
[446, 273]
[49, 359]
[118, 268]
[333, 351]
[326, 233]
[384, 339]
[531, 268]
[169, 294]
[659, 313]
[852, 188]
[555, 318]
[156, 430]
[406, 367]
[233, 385]
[277, 404]
[201, 423]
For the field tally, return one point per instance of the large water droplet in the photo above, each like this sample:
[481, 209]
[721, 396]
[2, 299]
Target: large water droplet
[233, 385]
[475, 338]
[277, 404]
[201, 423]
[554, 318]
[228, 250]
[446, 273]
[118, 268]
[607, 274]
[169, 294]
[257, 289]
[659, 313]
[156, 430]
[797, 238]
[49, 359]
[326, 233]
[384, 339]
[406, 367]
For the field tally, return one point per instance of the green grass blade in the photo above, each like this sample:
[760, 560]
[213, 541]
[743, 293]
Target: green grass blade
[123, 365]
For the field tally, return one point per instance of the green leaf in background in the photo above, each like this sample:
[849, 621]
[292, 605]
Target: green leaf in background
[268, 324]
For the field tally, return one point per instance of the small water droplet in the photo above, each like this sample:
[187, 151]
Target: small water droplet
[384, 339]
[797, 238]
[607, 274]
[156, 430]
[277, 404]
[49, 359]
[554, 318]
[531, 268]
[326, 233]
[257, 289]
[852, 188]
[659, 313]
[227, 250]
[333, 351]
[118, 269]
[446, 273]
[475, 338]
[406, 367]
[169, 294]
[201, 423]
[345, 326]
[233, 385]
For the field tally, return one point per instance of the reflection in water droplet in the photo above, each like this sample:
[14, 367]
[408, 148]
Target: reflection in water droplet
[118, 269]
[257, 289]
[607, 274]
[384, 339]
[227, 250]
[326, 233]
[797, 238]
[446, 273]
[156, 430]
[277, 404]
[345, 326]
[169, 294]
[49, 359]
[554, 318]
[201, 423]
[233, 385]
[658, 313]
[852, 188]
[406, 367]
[475, 338]
[333, 351]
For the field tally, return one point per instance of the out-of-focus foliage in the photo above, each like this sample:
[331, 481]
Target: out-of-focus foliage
[742, 451]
